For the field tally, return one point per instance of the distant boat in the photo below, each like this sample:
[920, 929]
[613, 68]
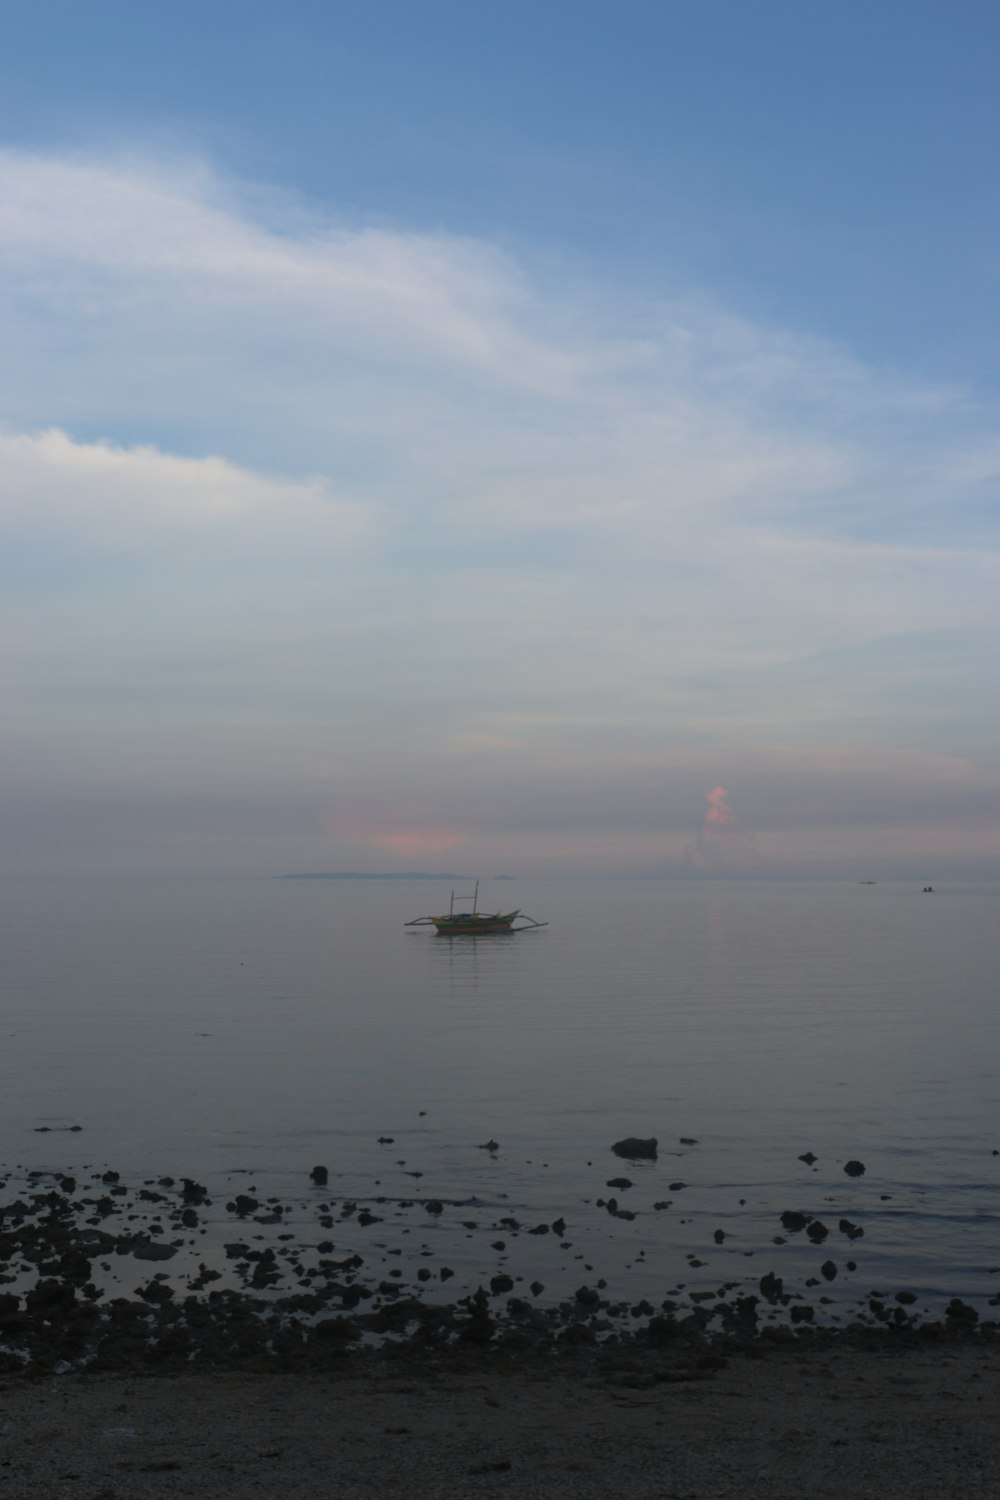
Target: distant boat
[867, 882]
[475, 923]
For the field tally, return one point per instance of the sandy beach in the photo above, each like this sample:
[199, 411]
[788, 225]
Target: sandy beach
[821, 1419]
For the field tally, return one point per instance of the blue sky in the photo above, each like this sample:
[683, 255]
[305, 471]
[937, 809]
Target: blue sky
[474, 434]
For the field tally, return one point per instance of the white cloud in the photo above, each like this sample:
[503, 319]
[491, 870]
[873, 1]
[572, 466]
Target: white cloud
[129, 232]
[101, 494]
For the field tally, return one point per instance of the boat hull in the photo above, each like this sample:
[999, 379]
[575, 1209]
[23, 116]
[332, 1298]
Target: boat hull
[474, 925]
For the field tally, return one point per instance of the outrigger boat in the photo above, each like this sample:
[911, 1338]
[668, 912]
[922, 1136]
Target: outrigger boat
[474, 923]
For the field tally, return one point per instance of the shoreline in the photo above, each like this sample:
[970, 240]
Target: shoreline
[85, 1285]
[312, 1379]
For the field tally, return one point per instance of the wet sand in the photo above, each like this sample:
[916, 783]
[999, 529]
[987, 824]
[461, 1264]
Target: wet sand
[833, 1421]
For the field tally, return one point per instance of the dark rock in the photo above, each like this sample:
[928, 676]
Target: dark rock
[501, 1284]
[490, 1145]
[619, 1182]
[587, 1297]
[676, 1187]
[958, 1311]
[741, 1313]
[11, 1316]
[156, 1291]
[808, 1158]
[144, 1248]
[539, 1229]
[907, 1297]
[342, 1330]
[719, 1236]
[50, 1297]
[661, 1330]
[559, 1227]
[771, 1286]
[793, 1221]
[434, 1206]
[688, 1140]
[478, 1327]
[636, 1148]
[853, 1231]
[320, 1176]
[537, 1288]
[616, 1212]
[803, 1314]
[854, 1168]
[577, 1333]
[828, 1269]
[817, 1231]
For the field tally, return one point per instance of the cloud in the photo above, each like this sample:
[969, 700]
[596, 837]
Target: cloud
[116, 238]
[720, 846]
[104, 495]
[291, 499]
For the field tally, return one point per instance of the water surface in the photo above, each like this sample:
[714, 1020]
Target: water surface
[232, 1029]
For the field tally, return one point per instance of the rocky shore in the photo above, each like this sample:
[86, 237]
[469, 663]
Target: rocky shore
[104, 1275]
[157, 1339]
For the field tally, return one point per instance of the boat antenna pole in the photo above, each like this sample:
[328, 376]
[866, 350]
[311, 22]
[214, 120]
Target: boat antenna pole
[475, 899]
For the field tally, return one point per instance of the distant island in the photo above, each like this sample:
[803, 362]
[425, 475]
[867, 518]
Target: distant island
[391, 875]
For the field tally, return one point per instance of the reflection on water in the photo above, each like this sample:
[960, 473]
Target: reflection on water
[205, 1027]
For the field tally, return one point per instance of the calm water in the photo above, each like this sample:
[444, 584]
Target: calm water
[220, 1028]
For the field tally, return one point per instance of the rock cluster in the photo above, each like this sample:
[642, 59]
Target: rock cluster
[102, 1274]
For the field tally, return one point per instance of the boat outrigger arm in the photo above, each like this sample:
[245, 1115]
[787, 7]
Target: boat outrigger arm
[472, 924]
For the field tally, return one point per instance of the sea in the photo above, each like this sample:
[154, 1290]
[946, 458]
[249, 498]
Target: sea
[464, 1095]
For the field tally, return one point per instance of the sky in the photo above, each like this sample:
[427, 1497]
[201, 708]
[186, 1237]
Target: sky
[552, 438]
